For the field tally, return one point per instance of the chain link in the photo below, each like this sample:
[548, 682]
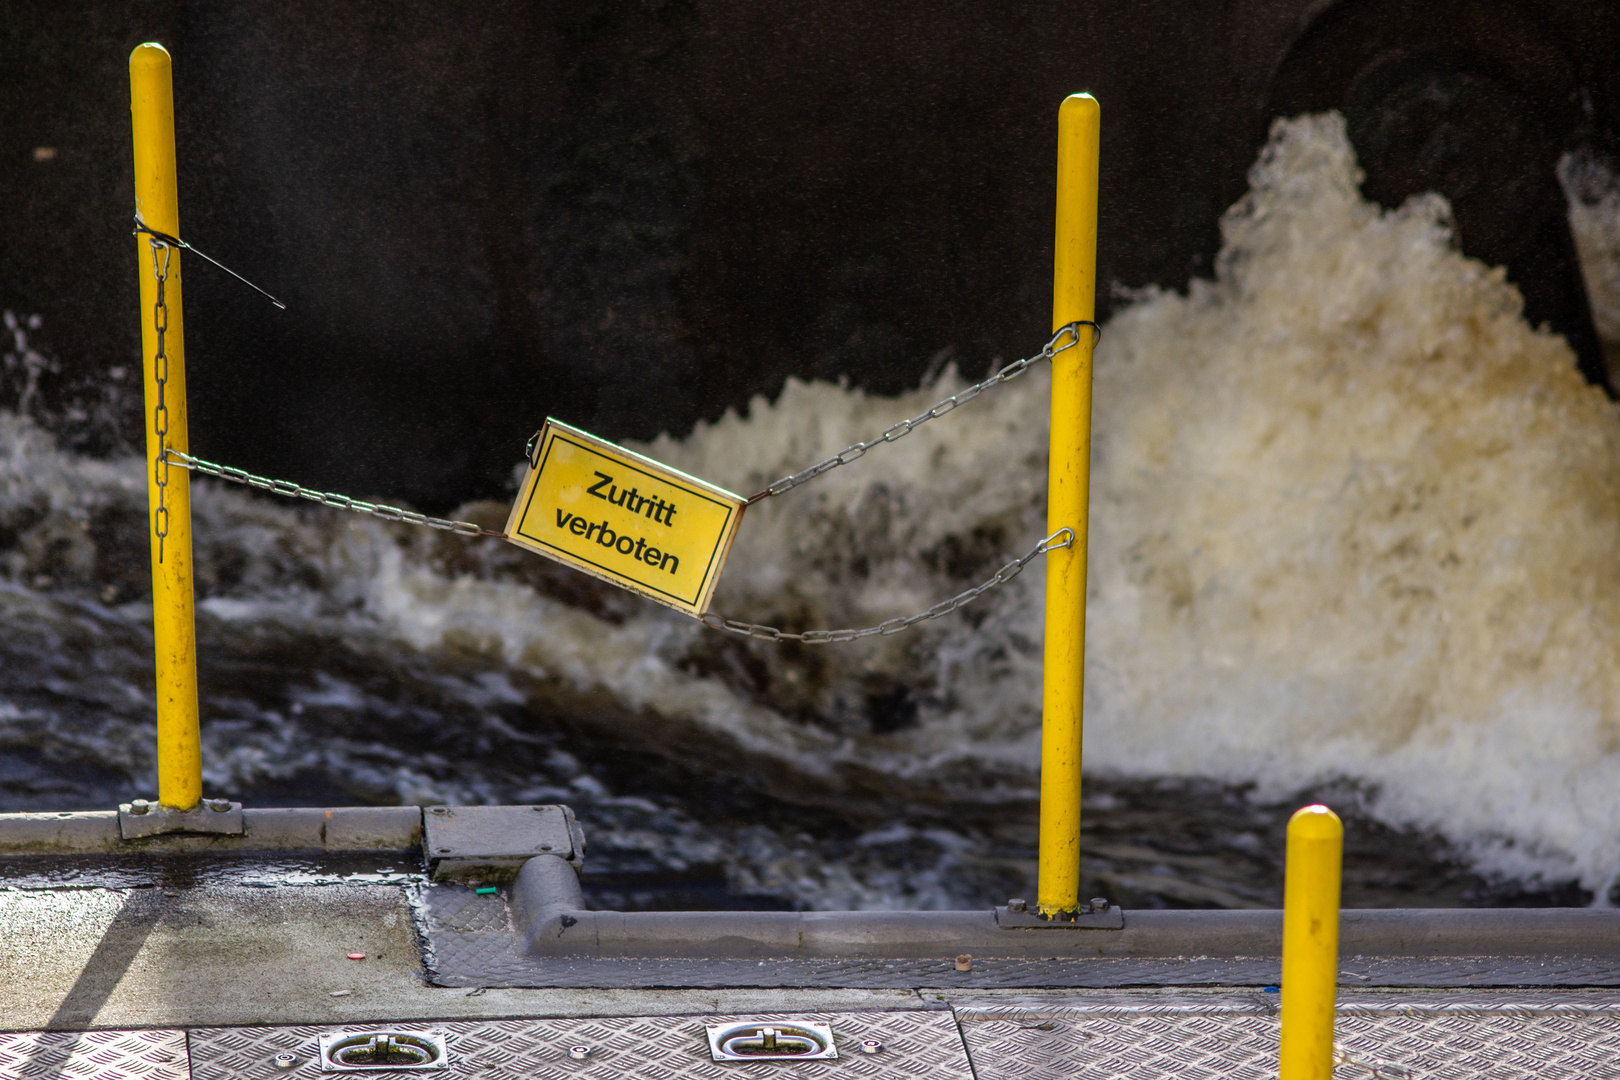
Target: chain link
[1380, 1070]
[160, 413]
[906, 427]
[893, 626]
[327, 498]
[1066, 338]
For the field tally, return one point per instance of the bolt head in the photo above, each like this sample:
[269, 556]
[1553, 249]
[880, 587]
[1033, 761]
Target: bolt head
[1017, 904]
[139, 806]
[579, 1053]
[871, 1046]
[1099, 903]
[219, 806]
[285, 1061]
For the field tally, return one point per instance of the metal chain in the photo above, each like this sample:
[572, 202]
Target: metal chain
[327, 498]
[160, 414]
[894, 626]
[1011, 570]
[1380, 1070]
[160, 361]
[906, 427]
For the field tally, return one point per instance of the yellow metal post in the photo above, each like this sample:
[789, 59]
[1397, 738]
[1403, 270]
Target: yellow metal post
[151, 106]
[1310, 964]
[1068, 494]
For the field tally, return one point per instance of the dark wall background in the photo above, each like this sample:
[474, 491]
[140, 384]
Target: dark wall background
[633, 215]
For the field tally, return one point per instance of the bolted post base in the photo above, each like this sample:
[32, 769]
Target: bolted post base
[141, 818]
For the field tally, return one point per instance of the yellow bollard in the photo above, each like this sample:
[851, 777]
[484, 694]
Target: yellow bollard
[1068, 493]
[151, 106]
[1310, 963]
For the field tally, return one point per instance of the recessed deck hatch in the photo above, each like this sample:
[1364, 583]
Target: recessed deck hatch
[386, 1049]
[771, 1040]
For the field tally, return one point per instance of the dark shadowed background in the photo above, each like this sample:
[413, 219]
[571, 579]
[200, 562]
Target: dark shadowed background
[636, 215]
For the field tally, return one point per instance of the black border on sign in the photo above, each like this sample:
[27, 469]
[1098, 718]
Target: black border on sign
[535, 488]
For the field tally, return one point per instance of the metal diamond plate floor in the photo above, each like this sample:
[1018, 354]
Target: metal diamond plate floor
[918, 1045]
[93, 1055]
[1550, 1037]
[1097, 1035]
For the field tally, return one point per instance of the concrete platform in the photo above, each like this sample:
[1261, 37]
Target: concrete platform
[89, 958]
[191, 957]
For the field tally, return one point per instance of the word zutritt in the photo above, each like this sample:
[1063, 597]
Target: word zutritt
[657, 509]
[635, 547]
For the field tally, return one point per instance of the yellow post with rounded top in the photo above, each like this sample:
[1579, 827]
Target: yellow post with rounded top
[1310, 962]
[151, 106]
[1068, 494]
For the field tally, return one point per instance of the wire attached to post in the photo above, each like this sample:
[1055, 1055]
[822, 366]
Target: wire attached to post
[141, 228]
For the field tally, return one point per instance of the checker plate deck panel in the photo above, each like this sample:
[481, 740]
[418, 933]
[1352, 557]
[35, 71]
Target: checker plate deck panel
[918, 1045]
[93, 1055]
[1549, 1037]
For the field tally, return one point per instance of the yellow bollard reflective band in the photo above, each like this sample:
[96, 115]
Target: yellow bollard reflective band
[1310, 964]
[151, 106]
[1068, 493]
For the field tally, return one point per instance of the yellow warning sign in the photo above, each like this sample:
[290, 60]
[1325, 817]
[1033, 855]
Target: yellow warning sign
[624, 518]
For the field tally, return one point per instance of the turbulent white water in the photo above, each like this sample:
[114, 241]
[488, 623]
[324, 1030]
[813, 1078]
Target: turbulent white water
[1351, 516]
[1353, 520]
[1356, 517]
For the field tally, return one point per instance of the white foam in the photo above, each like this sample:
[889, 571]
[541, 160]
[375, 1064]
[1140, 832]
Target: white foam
[1352, 518]
[1355, 518]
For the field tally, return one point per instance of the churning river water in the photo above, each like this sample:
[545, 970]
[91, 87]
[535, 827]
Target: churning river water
[1355, 536]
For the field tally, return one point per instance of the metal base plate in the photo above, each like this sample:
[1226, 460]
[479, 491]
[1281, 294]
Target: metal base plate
[1110, 918]
[141, 818]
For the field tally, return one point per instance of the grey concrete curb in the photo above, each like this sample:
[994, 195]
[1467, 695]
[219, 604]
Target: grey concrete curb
[95, 832]
[548, 913]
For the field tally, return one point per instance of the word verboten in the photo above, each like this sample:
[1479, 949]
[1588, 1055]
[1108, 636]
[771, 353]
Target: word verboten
[624, 518]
